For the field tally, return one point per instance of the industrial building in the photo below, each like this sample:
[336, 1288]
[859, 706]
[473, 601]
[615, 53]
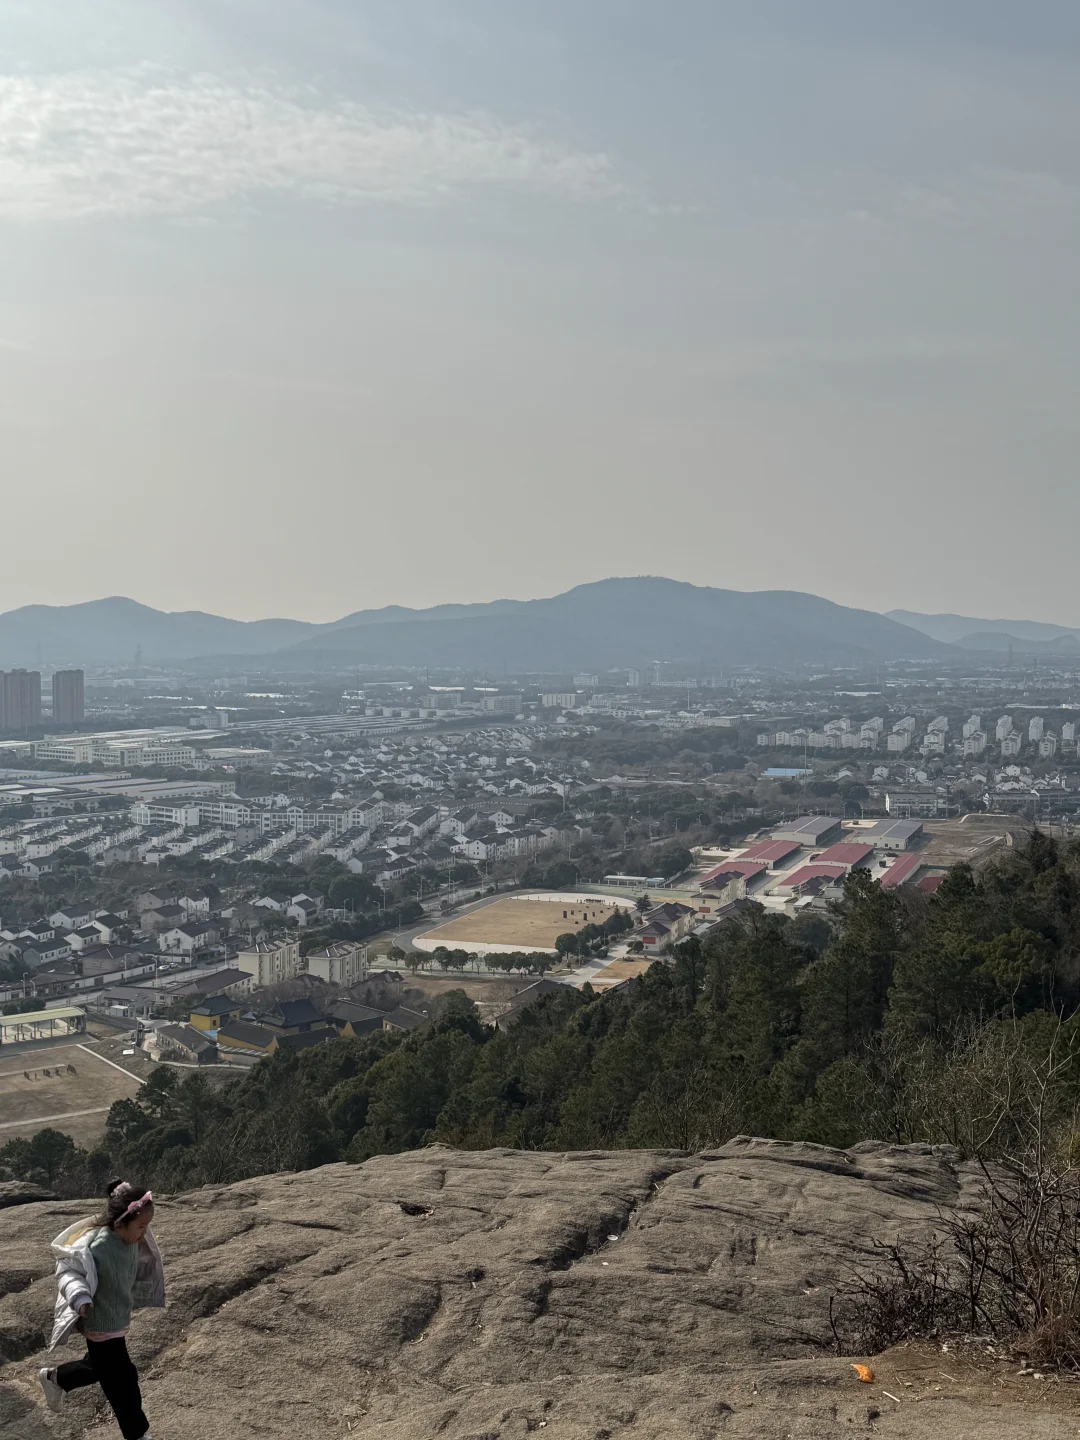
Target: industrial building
[845, 853]
[774, 853]
[810, 830]
[892, 834]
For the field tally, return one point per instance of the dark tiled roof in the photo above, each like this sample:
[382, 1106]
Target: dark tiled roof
[254, 1036]
[403, 1019]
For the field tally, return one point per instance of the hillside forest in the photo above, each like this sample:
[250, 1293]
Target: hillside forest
[898, 1017]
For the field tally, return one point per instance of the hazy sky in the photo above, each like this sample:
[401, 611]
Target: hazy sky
[309, 305]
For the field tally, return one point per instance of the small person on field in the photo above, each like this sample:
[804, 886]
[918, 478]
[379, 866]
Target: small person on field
[105, 1269]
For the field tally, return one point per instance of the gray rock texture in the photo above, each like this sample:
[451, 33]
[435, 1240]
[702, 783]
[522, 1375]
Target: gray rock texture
[486, 1295]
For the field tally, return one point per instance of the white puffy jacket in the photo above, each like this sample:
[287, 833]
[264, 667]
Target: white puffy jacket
[76, 1276]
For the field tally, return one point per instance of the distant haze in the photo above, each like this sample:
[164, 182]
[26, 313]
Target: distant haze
[315, 305]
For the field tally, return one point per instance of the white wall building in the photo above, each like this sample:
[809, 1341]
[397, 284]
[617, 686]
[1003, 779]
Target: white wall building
[270, 962]
[343, 963]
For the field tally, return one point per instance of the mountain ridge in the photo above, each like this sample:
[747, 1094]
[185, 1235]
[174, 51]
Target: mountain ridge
[623, 621]
[955, 629]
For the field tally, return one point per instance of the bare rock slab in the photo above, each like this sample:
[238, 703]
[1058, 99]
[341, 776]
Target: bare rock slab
[487, 1295]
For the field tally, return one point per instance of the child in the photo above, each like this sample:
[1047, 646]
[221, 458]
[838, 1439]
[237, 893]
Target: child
[105, 1268]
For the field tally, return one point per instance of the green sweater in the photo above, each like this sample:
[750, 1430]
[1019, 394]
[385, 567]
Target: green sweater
[117, 1263]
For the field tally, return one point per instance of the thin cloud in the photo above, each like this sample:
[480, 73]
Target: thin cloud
[145, 143]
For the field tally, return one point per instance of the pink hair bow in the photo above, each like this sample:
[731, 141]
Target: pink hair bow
[138, 1205]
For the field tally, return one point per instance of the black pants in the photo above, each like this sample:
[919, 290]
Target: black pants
[109, 1365]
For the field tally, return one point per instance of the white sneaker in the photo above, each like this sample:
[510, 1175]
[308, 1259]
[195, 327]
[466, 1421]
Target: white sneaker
[54, 1396]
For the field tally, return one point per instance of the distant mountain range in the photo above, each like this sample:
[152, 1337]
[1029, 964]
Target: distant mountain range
[1025, 637]
[624, 622]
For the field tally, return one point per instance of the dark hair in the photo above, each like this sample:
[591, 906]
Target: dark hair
[120, 1195]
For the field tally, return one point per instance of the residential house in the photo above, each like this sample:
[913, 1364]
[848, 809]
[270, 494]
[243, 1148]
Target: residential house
[353, 1020]
[108, 926]
[198, 904]
[221, 982]
[269, 962]
[274, 900]
[527, 997]
[182, 1042]
[665, 924]
[44, 952]
[342, 963]
[302, 910]
[34, 869]
[215, 1011]
[422, 822]
[188, 939]
[38, 931]
[87, 936]
[460, 822]
[245, 1038]
[403, 1019]
[162, 917]
[151, 900]
[71, 917]
[292, 1017]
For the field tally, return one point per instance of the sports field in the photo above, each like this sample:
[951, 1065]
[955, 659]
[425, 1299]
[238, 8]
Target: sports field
[38, 1091]
[518, 924]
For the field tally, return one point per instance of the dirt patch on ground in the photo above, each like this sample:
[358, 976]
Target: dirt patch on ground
[622, 970]
[921, 1373]
[38, 1090]
[494, 990]
[971, 840]
[524, 924]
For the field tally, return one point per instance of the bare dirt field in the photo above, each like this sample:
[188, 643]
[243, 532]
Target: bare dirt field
[477, 987]
[972, 840]
[76, 1103]
[524, 924]
[619, 970]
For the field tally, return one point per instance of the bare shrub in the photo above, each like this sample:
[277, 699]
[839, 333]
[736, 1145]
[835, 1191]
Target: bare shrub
[1008, 1267]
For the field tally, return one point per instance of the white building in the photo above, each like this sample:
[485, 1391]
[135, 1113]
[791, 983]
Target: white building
[166, 812]
[343, 963]
[938, 726]
[898, 740]
[1068, 733]
[1048, 746]
[561, 701]
[1010, 745]
[1035, 729]
[1004, 727]
[270, 962]
[975, 743]
[972, 725]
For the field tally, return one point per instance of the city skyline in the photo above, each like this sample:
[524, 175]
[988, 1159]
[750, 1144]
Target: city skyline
[355, 305]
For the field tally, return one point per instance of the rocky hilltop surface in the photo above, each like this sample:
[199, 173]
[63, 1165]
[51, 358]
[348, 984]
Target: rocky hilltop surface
[487, 1295]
